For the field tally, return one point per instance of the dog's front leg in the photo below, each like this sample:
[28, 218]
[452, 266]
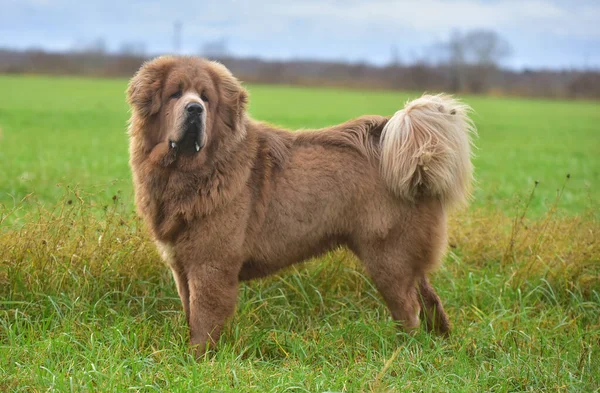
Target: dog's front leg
[183, 289]
[213, 294]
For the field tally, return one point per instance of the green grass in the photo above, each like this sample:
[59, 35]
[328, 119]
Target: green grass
[67, 130]
[86, 304]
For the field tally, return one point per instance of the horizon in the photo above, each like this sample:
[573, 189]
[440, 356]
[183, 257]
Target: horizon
[544, 34]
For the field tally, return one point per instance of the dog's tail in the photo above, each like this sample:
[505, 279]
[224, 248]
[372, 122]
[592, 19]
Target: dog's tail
[426, 150]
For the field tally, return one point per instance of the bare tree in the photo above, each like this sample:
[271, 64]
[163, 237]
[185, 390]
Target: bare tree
[474, 58]
[456, 61]
[485, 51]
[216, 49]
[132, 48]
[486, 48]
[395, 56]
[96, 46]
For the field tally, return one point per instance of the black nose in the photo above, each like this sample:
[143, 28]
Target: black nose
[194, 108]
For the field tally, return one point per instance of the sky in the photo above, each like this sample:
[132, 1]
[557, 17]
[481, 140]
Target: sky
[542, 33]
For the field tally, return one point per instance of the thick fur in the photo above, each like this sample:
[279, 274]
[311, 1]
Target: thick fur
[257, 198]
[426, 150]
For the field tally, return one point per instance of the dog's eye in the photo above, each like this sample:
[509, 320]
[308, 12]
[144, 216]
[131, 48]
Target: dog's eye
[204, 97]
[177, 94]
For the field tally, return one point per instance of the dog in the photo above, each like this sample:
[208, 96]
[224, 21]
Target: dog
[227, 198]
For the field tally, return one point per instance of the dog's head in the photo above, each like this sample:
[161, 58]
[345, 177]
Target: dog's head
[183, 106]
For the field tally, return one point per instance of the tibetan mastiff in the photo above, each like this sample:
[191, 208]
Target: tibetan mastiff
[228, 198]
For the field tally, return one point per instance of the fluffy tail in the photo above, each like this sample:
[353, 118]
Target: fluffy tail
[426, 150]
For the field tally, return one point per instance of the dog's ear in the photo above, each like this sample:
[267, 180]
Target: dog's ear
[234, 98]
[145, 88]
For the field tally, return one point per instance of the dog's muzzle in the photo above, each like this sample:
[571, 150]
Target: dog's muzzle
[192, 139]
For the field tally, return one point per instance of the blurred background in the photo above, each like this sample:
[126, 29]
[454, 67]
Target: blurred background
[541, 48]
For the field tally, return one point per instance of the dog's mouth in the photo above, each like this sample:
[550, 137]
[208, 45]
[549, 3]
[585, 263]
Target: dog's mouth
[193, 138]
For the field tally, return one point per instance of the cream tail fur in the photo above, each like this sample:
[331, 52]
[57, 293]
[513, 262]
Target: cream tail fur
[426, 150]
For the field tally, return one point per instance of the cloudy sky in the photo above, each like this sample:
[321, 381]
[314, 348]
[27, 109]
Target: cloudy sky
[542, 33]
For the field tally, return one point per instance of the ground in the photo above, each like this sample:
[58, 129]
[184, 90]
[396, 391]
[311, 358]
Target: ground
[86, 304]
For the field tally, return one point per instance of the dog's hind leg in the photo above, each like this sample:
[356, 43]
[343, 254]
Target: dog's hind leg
[396, 282]
[408, 295]
[432, 311]
[398, 265]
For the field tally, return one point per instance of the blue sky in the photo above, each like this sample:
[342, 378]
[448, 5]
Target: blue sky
[542, 33]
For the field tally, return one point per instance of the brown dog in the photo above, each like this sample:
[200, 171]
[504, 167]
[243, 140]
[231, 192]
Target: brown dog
[228, 198]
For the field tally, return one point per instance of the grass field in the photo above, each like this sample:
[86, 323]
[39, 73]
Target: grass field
[86, 304]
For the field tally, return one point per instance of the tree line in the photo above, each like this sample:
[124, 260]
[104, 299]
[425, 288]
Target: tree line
[465, 63]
